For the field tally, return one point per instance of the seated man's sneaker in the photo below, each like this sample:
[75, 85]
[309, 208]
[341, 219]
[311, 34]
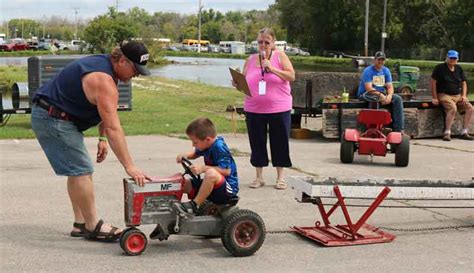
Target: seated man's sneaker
[447, 137]
[466, 136]
[189, 207]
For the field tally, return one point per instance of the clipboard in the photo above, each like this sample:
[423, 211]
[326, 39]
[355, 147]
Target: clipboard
[239, 78]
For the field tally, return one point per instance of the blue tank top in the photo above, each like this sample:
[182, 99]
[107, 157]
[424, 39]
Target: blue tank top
[65, 92]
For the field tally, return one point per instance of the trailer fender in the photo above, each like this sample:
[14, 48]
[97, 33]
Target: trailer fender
[351, 135]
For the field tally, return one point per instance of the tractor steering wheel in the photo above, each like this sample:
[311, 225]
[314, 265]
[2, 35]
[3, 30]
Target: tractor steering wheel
[187, 170]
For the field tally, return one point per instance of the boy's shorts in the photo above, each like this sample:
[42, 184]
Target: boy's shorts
[221, 193]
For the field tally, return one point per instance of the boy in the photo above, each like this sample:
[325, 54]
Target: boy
[220, 181]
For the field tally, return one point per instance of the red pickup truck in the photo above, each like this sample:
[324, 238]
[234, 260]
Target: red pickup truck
[14, 45]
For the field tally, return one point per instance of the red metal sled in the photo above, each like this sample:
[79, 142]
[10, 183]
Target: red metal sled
[359, 233]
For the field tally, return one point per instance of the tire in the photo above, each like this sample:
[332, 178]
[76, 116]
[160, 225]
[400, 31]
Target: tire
[243, 233]
[133, 242]
[402, 152]
[405, 90]
[347, 151]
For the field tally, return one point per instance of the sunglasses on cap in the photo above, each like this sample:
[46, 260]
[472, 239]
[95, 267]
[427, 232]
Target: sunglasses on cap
[260, 42]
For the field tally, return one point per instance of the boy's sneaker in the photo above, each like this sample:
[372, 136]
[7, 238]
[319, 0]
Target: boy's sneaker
[189, 207]
[447, 137]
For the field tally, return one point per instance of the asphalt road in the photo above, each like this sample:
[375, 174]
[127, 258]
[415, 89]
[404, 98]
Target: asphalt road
[36, 216]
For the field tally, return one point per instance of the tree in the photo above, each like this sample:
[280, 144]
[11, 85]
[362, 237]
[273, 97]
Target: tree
[106, 31]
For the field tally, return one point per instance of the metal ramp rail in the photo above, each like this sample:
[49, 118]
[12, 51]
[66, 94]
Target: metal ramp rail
[311, 190]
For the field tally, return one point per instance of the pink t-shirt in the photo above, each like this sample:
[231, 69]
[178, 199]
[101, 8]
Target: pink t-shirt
[278, 92]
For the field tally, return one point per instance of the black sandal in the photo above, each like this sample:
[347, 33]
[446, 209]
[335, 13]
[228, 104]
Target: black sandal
[100, 236]
[81, 232]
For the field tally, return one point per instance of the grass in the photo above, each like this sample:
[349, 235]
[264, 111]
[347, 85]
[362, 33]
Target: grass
[160, 106]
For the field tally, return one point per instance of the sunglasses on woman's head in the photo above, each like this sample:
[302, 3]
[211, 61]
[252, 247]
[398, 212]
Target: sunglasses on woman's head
[261, 42]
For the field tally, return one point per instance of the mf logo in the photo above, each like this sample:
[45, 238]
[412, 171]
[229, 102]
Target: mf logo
[165, 187]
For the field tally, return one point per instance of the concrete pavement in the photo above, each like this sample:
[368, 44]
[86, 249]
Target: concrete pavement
[36, 214]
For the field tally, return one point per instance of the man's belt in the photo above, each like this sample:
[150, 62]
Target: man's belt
[53, 111]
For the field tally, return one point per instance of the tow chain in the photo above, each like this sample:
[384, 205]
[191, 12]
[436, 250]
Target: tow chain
[392, 229]
[279, 231]
[427, 229]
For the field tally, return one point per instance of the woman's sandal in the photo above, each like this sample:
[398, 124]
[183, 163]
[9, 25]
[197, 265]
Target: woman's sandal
[81, 232]
[100, 236]
[257, 183]
[280, 185]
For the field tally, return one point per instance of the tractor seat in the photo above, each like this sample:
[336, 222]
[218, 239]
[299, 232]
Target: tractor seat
[232, 201]
[371, 117]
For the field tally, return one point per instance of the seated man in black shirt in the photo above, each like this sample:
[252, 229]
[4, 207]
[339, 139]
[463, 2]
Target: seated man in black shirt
[449, 88]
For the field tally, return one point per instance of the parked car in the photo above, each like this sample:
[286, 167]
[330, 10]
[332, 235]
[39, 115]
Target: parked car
[214, 49]
[171, 48]
[74, 45]
[14, 45]
[294, 51]
[195, 48]
[33, 45]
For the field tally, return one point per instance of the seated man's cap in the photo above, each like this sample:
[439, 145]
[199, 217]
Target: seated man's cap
[138, 54]
[380, 55]
[453, 54]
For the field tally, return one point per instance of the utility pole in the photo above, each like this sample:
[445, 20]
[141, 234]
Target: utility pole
[384, 34]
[366, 39]
[199, 28]
[75, 20]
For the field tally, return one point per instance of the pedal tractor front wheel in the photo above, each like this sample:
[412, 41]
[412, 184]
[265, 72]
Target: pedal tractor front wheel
[133, 241]
[243, 233]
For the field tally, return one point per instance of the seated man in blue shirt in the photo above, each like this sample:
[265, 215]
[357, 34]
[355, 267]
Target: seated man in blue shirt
[220, 182]
[376, 85]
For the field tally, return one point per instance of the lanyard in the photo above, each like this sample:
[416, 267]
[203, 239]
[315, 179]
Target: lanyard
[260, 58]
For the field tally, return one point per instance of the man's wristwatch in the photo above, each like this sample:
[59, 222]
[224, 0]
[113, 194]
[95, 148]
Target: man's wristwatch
[103, 138]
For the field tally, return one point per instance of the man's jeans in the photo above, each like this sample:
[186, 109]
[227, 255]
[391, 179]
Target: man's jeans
[396, 109]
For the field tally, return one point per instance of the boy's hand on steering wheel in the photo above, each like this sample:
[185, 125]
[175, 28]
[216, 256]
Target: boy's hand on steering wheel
[197, 169]
[386, 99]
[179, 158]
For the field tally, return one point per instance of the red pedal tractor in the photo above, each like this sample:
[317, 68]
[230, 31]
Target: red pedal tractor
[158, 203]
[373, 141]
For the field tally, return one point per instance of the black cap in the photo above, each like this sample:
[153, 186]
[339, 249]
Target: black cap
[380, 55]
[138, 54]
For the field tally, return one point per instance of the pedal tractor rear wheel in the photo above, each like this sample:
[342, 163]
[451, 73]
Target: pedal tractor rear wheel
[402, 152]
[243, 233]
[347, 151]
[133, 242]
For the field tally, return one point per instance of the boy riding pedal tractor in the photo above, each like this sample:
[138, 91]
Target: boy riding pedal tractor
[220, 182]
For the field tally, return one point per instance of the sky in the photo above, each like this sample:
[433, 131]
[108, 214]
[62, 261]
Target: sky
[88, 9]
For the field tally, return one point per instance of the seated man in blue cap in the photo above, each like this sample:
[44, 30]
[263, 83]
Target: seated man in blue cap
[376, 85]
[449, 88]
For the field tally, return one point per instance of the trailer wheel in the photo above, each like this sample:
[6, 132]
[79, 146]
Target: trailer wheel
[347, 151]
[402, 152]
[243, 233]
[133, 242]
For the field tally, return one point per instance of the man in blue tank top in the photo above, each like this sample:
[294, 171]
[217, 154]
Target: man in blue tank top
[82, 95]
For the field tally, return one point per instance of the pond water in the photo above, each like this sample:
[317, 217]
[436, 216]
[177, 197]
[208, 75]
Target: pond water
[213, 70]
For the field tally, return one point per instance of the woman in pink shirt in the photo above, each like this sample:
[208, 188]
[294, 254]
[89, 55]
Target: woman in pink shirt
[268, 110]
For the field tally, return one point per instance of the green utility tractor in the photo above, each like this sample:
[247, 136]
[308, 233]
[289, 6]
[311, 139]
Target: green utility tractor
[407, 79]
